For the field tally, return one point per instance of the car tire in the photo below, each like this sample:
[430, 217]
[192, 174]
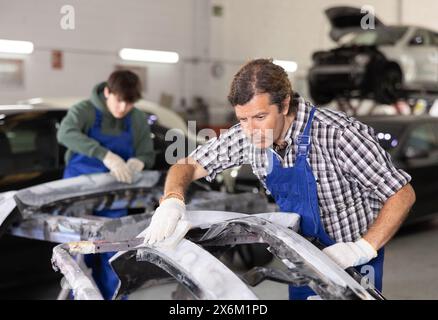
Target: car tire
[319, 97]
[388, 85]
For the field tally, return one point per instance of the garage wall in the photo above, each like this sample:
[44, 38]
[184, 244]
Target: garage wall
[103, 27]
[282, 29]
[421, 13]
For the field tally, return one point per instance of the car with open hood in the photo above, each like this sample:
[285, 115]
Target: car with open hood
[377, 61]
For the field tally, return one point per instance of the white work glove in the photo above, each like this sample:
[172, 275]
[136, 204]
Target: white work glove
[118, 167]
[164, 220]
[135, 165]
[351, 254]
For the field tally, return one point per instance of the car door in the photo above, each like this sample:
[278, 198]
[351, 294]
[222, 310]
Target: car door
[420, 156]
[424, 56]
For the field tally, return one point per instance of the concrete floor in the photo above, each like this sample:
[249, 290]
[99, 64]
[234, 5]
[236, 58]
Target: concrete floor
[411, 263]
[411, 271]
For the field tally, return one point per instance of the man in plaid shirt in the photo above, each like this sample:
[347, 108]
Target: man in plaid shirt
[321, 164]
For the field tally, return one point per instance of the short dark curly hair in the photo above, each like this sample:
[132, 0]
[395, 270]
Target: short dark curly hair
[261, 76]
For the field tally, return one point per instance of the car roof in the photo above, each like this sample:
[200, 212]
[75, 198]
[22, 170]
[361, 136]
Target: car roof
[166, 117]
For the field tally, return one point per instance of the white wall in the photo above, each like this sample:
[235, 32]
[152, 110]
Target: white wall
[421, 13]
[102, 27]
[282, 29]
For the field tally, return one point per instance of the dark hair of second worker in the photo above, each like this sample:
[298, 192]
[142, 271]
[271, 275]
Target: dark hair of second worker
[125, 84]
[261, 76]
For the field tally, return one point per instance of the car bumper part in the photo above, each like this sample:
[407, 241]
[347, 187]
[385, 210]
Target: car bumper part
[61, 211]
[199, 272]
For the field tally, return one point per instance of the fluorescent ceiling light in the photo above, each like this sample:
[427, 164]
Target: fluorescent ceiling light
[289, 66]
[12, 46]
[149, 55]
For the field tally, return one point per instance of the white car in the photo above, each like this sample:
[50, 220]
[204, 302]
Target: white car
[381, 63]
[165, 117]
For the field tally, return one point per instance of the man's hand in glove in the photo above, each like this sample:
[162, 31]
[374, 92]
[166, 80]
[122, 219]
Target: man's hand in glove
[135, 164]
[118, 167]
[164, 220]
[351, 254]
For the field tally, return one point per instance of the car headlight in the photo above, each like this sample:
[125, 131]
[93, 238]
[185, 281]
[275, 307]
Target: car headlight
[362, 59]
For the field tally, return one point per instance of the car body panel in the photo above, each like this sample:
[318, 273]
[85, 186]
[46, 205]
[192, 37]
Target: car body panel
[206, 277]
[61, 211]
[46, 215]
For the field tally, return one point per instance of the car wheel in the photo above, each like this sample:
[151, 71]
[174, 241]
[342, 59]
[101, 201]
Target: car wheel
[319, 97]
[388, 86]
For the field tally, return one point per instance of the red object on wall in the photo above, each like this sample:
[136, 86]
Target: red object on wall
[57, 57]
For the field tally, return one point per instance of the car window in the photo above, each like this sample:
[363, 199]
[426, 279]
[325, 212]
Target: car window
[28, 143]
[434, 38]
[420, 38]
[421, 141]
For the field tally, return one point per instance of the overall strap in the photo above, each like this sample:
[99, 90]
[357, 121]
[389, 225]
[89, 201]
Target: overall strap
[304, 139]
[272, 160]
[98, 119]
[128, 122]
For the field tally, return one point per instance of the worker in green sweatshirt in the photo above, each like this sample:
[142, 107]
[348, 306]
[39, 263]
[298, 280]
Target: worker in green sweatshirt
[108, 134]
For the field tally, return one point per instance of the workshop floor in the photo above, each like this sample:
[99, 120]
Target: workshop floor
[411, 265]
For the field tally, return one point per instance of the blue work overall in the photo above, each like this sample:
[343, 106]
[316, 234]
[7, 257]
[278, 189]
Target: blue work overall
[123, 146]
[294, 190]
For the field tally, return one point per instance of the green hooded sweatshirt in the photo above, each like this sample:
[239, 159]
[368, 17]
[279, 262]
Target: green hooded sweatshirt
[80, 118]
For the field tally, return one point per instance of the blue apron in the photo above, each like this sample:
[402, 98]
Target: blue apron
[294, 190]
[122, 145]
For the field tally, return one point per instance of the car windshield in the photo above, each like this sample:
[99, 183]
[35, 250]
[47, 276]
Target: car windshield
[378, 37]
[388, 134]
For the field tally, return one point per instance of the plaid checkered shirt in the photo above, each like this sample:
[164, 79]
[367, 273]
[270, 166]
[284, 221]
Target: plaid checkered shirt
[354, 174]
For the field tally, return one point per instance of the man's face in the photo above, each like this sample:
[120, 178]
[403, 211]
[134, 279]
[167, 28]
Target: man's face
[118, 108]
[261, 121]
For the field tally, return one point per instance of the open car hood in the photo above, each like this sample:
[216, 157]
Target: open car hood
[344, 20]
